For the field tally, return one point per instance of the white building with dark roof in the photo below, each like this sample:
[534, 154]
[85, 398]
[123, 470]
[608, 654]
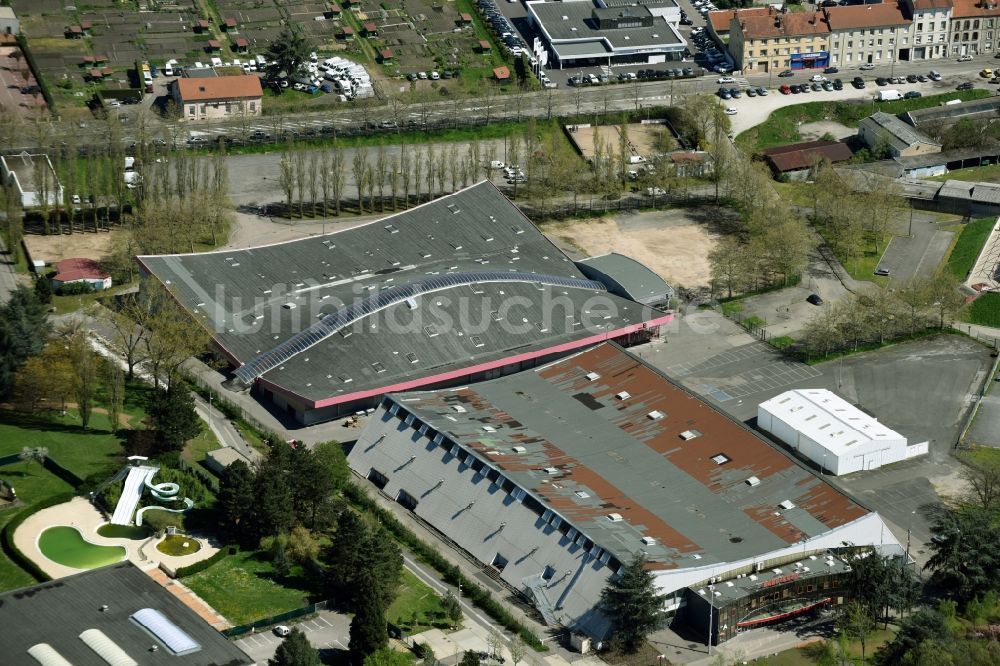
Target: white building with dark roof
[833, 433]
[33, 178]
[608, 32]
[557, 476]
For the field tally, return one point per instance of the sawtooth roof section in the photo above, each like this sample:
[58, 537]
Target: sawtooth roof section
[618, 450]
[254, 300]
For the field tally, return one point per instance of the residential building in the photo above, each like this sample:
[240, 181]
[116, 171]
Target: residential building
[9, 25]
[460, 289]
[608, 32]
[553, 478]
[868, 34]
[930, 27]
[831, 432]
[795, 161]
[973, 27]
[33, 178]
[79, 270]
[115, 614]
[761, 42]
[885, 132]
[719, 21]
[218, 96]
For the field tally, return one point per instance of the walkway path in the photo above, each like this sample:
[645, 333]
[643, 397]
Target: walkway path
[190, 599]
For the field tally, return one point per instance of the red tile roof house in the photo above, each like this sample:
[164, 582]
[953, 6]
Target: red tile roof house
[218, 97]
[76, 270]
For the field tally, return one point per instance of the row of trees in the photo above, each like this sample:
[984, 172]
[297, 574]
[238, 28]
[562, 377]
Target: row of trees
[875, 314]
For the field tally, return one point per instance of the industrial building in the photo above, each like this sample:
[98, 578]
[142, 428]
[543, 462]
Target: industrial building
[883, 131]
[459, 289]
[111, 615]
[554, 477]
[628, 278]
[608, 32]
[833, 433]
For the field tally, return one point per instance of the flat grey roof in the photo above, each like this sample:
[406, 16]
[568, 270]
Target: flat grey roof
[254, 300]
[634, 280]
[23, 166]
[573, 20]
[621, 452]
[57, 612]
[987, 107]
[813, 566]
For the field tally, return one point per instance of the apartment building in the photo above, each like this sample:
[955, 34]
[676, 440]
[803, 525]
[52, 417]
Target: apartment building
[761, 42]
[973, 26]
[930, 20]
[868, 34]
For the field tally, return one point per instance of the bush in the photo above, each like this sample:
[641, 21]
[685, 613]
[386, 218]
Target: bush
[7, 539]
[782, 342]
[449, 572]
[75, 289]
[198, 567]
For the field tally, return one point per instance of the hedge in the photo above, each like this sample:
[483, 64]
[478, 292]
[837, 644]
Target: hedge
[451, 573]
[7, 538]
[204, 564]
[29, 57]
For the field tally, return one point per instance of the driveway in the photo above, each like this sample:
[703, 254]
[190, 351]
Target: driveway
[920, 253]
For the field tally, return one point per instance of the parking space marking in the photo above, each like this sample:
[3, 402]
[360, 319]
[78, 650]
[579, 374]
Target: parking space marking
[725, 358]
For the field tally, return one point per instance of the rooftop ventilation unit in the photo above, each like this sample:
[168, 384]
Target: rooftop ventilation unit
[690, 434]
[615, 517]
[592, 376]
[489, 428]
[753, 481]
[459, 409]
[656, 415]
[520, 449]
[720, 459]
[550, 470]
[623, 395]
[649, 541]
[787, 504]
[581, 494]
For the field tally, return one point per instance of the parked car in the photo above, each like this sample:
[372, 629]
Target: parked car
[814, 299]
[762, 92]
[817, 78]
[838, 84]
[965, 86]
[282, 630]
[858, 82]
[882, 271]
[965, 58]
[785, 90]
[785, 73]
[867, 67]
[987, 73]
[726, 79]
[730, 111]
[912, 94]
[881, 81]
[830, 70]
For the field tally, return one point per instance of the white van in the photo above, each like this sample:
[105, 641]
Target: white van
[888, 95]
[935, 75]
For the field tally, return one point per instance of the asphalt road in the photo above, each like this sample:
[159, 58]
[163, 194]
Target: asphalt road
[8, 278]
[920, 253]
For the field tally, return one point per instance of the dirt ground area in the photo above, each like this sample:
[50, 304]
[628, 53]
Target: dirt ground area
[674, 244]
[642, 138]
[811, 131]
[52, 249]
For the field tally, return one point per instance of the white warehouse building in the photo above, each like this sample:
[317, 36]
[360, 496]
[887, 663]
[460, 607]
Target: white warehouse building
[833, 433]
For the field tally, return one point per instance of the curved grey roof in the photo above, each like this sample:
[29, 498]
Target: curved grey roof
[627, 277]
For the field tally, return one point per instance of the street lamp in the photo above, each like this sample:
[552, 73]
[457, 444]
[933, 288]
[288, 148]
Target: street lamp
[711, 601]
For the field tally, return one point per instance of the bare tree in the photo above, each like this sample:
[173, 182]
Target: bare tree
[313, 177]
[405, 174]
[286, 176]
[394, 181]
[324, 181]
[359, 165]
[381, 173]
[300, 181]
[454, 166]
[337, 178]
[429, 166]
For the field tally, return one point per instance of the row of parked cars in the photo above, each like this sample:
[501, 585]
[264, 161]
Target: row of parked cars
[502, 26]
[735, 93]
[641, 75]
[713, 57]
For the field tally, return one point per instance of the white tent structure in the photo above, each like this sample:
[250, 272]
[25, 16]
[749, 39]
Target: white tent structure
[833, 433]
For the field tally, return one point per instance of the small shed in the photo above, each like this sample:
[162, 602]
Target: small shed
[219, 459]
[202, 26]
[485, 46]
[386, 56]
[81, 270]
[347, 33]
[369, 29]
[213, 46]
[229, 24]
[465, 18]
[502, 73]
[241, 44]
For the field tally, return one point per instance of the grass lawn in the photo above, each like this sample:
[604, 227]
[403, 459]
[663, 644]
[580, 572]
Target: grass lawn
[985, 310]
[968, 245]
[781, 127]
[414, 597]
[988, 174]
[33, 484]
[243, 588]
[177, 545]
[196, 448]
[803, 656]
[84, 452]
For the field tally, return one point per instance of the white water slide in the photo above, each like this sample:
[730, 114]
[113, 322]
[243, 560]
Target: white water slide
[134, 483]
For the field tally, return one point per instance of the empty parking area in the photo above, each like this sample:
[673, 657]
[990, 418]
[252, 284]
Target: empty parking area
[327, 632]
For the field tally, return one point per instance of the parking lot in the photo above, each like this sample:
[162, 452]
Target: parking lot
[328, 632]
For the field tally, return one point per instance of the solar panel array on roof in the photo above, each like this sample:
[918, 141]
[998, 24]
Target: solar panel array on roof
[343, 318]
[169, 634]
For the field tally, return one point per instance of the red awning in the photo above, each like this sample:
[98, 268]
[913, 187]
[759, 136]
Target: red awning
[781, 616]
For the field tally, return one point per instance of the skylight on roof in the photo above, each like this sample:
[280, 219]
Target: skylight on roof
[106, 648]
[649, 541]
[46, 655]
[720, 459]
[753, 481]
[615, 517]
[592, 376]
[459, 409]
[656, 415]
[520, 449]
[581, 494]
[489, 428]
[623, 395]
[378, 367]
[787, 504]
[690, 434]
[551, 470]
[165, 631]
